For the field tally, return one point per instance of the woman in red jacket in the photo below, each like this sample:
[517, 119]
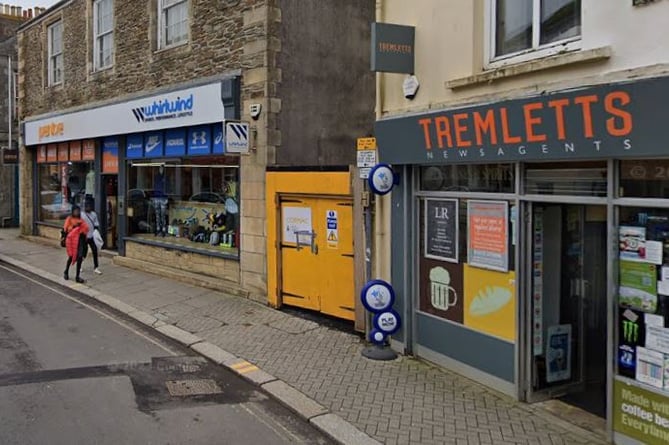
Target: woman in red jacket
[75, 230]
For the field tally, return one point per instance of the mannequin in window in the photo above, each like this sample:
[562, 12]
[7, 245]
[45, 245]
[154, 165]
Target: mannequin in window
[159, 202]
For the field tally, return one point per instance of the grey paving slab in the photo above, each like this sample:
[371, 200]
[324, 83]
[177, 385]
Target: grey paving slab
[396, 402]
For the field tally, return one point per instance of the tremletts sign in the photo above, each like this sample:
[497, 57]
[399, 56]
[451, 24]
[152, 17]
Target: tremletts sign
[612, 121]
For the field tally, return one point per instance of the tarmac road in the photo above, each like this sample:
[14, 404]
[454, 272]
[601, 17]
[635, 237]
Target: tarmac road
[72, 373]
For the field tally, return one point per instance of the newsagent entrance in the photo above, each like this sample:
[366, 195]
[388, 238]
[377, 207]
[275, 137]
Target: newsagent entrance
[567, 309]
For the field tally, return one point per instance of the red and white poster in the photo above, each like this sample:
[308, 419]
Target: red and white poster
[488, 230]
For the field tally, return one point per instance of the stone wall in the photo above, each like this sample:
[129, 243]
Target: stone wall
[215, 47]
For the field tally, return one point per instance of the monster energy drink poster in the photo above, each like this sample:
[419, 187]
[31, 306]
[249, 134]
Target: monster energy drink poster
[632, 334]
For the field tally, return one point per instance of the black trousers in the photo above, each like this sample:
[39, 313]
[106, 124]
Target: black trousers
[71, 260]
[91, 243]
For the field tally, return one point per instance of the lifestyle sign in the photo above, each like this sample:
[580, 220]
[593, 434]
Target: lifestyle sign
[616, 120]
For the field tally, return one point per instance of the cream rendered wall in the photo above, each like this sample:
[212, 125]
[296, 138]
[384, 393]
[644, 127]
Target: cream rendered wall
[450, 40]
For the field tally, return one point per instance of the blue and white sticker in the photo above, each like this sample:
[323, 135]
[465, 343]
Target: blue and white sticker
[153, 145]
[199, 140]
[134, 146]
[377, 337]
[381, 179]
[387, 322]
[377, 296]
[218, 137]
[175, 142]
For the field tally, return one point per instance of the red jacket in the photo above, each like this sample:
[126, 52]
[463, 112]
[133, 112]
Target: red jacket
[76, 229]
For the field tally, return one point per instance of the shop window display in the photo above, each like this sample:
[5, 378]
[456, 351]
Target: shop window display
[62, 185]
[192, 203]
[643, 296]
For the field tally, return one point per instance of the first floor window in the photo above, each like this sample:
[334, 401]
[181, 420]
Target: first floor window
[521, 25]
[55, 55]
[103, 28]
[173, 22]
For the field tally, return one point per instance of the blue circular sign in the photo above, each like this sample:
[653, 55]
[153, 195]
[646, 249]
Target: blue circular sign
[377, 296]
[387, 322]
[381, 179]
[377, 337]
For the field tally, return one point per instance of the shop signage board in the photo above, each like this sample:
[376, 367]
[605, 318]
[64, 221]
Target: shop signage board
[640, 414]
[63, 152]
[75, 151]
[393, 48]
[488, 241]
[237, 137]
[175, 142]
[88, 150]
[134, 146]
[441, 229]
[621, 120]
[41, 154]
[153, 144]
[199, 141]
[183, 108]
[10, 156]
[52, 153]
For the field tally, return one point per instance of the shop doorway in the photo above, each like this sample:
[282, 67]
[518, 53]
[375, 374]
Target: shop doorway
[567, 314]
[316, 263]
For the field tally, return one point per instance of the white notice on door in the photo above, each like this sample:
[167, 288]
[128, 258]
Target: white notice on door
[295, 219]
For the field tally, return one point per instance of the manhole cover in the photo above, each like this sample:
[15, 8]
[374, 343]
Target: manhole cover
[199, 387]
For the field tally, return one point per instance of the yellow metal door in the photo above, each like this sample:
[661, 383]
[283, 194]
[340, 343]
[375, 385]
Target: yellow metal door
[317, 255]
[335, 259]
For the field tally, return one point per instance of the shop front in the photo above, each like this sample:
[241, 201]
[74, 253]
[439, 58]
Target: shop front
[156, 168]
[531, 251]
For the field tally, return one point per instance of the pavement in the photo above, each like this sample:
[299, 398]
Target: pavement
[315, 370]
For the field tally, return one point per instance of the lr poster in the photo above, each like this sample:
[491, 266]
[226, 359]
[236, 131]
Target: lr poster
[488, 226]
[441, 229]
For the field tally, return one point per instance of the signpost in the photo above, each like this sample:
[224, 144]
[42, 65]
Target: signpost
[378, 297]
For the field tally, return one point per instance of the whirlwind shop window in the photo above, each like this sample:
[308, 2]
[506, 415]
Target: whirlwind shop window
[61, 185]
[173, 22]
[103, 31]
[533, 28]
[190, 202]
[55, 46]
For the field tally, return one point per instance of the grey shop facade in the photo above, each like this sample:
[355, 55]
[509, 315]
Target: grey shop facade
[530, 247]
[155, 166]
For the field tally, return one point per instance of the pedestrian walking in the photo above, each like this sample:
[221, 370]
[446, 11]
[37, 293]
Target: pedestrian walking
[75, 231]
[91, 219]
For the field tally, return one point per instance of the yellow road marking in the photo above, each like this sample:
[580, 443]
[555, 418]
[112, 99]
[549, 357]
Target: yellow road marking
[244, 367]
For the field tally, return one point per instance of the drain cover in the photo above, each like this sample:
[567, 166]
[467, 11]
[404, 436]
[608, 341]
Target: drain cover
[180, 388]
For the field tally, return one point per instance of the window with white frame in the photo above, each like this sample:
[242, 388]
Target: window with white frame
[173, 22]
[103, 32]
[520, 27]
[55, 42]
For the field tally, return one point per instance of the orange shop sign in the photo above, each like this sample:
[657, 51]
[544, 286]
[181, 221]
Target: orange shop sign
[52, 153]
[52, 129]
[88, 153]
[75, 151]
[41, 154]
[63, 151]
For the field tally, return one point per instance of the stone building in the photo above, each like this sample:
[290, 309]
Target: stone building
[136, 106]
[11, 17]
[532, 162]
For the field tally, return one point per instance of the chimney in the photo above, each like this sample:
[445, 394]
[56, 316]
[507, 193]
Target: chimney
[12, 10]
[8, 10]
[19, 11]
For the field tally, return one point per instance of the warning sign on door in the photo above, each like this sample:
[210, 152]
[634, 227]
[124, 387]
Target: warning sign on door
[332, 224]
